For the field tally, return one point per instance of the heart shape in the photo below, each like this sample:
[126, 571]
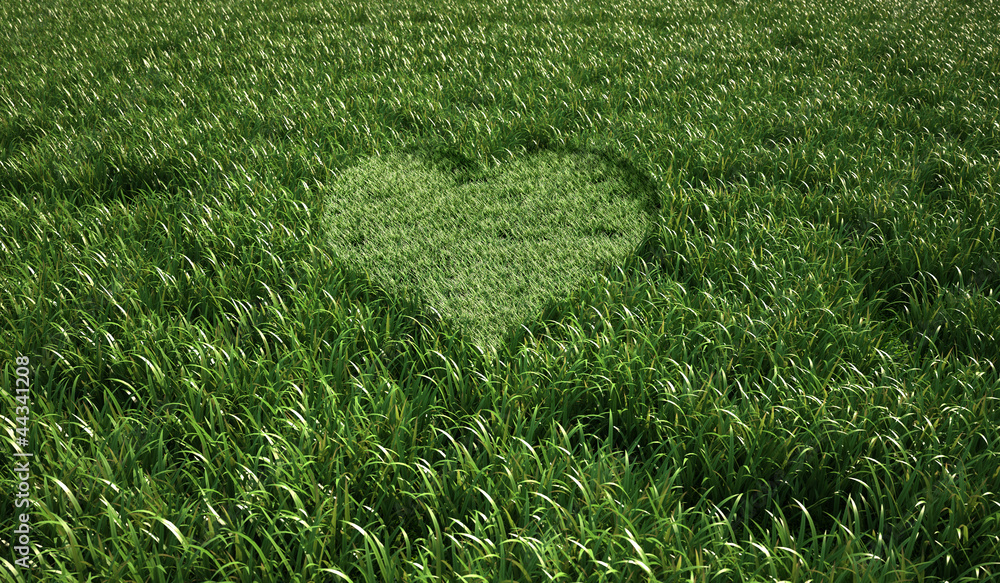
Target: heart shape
[488, 248]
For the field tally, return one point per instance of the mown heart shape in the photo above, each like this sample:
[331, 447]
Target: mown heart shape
[487, 249]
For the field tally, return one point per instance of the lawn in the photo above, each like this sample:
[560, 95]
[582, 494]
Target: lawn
[500, 291]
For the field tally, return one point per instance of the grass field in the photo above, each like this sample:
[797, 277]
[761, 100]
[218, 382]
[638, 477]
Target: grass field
[500, 291]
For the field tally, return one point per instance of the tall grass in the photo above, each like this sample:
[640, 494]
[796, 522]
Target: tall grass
[792, 375]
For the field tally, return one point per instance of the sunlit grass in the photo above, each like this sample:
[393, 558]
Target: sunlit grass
[789, 373]
[490, 249]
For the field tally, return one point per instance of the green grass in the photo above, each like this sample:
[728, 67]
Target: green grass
[784, 368]
[490, 249]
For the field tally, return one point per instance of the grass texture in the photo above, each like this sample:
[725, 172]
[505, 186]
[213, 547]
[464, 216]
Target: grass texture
[263, 260]
[487, 251]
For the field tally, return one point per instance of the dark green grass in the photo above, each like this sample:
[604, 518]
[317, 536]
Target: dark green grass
[791, 376]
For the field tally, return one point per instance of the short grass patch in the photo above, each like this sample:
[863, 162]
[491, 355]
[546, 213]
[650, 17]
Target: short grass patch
[487, 250]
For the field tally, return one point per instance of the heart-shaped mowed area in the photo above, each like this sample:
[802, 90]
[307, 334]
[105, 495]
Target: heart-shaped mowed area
[487, 249]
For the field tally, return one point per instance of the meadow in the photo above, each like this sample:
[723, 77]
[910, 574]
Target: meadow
[500, 291]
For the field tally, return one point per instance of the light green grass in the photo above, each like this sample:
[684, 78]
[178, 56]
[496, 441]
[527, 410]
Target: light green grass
[791, 375]
[487, 251]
